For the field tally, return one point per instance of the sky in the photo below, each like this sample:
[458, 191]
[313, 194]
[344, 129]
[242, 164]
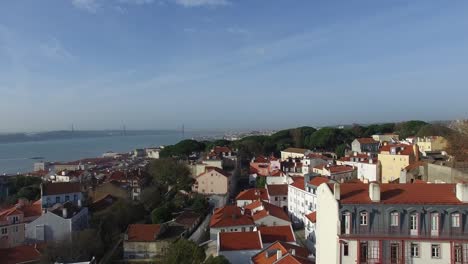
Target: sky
[227, 64]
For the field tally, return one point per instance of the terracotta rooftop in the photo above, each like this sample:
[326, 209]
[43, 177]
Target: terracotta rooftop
[188, 218]
[312, 217]
[295, 150]
[253, 194]
[316, 181]
[298, 182]
[270, 209]
[317, 156]
[20, 254]
[230, 215]
[404, 149]
[271, 234]
[209, 169]
[60, 188]
[219, 150]
[230, 241]
[268, 255]
[358, 193]
[277, 189]
[367, 141]
[143, 232]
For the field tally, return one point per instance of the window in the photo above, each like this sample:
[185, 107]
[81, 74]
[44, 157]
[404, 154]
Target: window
[363, 219]
[394, 219]
[16, 229]
[345, 249]
[394, 253]
[414, 224]
[4, 231]
[222, 230]
[435, 251]
[67, 198]
[15, 219]
[414, 250]
[434, 224]
[456, 220]
[276, 198]
[363, 252]
[458, 254]
[57, 199]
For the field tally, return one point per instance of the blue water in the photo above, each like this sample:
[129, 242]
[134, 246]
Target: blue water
[16, 157]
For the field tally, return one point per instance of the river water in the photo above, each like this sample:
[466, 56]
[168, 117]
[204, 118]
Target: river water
[16, 157]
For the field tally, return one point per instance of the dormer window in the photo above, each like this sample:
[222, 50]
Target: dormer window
[363, 218]
[455, 219]
[394, 219]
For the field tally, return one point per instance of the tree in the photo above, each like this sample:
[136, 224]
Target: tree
[161, 214]
[340, 150]
[409, 128]
[199, 203]
[217, 260]
[82, 247]
[169, 172]
[261, 182]
[184, 252]
[151, 197]
[434, 130]
[31, 192]
[458, 141]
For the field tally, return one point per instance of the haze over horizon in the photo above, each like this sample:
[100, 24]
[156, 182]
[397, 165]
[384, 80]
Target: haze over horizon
[225, 64]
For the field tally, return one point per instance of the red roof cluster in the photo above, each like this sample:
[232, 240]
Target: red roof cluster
[231, 241]
[312, 217]
[267, 209]
[358, 193]
[253, 194]
[271, 234]
[20, 254]
[143, 232]
[316, 181]
[298, 182]
[289, 254]
[402, 149]
[60, 188]
[230, 215]
[220, 150]
[220, 171]
[367, 141]
[277, 189]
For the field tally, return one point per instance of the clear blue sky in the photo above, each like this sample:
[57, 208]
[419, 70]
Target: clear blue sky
[221, 64]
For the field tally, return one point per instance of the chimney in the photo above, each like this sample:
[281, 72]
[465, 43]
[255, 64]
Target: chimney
[374, 192]
[293, 252]
[79, 203]
[462, 192]
[336, 191]
[371, 161]
[279, 254]
[64, 212]
[416, 152]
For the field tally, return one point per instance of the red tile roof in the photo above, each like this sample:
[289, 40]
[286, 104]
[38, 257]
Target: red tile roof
[219, 150]
[295, 150]
[316, 181]
[230, 241]
[230, 215]
[277, 189]
[358, 193]
[367, 141]
[253, 194]
[271, 234]
[317, 156]
[298, 182]
[143, 232]
[260, 159]
[340, 168]
[20, 254]
[312, 217]
[285, 248]
[60, 188]
[270, 209]
[209, 169]
[404, 149]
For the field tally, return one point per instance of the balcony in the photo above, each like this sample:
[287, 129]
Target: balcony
[364, 232]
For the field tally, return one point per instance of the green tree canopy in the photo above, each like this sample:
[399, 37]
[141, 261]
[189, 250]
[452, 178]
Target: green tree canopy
[184, 252]
[217, 260]
[170, 172]
[434, 130]
[409, 128]
[161, 214]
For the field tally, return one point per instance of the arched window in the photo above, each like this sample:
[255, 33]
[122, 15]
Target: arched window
[394, 219]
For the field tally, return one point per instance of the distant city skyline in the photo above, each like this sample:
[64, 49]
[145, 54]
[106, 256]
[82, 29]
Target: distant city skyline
[229, 65]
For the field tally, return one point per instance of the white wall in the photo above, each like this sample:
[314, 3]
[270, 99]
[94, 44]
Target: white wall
[328, 225]
[270, 180]
[272, 221]
[215, 230]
